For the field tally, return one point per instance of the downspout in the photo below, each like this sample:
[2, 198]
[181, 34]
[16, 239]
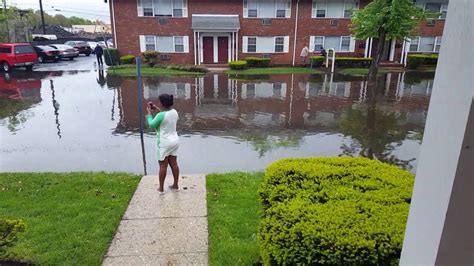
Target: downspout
[296, 31]
[113, 23]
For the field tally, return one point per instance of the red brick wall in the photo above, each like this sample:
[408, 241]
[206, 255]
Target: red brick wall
[129, 26]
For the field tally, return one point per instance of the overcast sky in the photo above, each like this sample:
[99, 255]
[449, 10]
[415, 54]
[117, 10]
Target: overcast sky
[90, 9]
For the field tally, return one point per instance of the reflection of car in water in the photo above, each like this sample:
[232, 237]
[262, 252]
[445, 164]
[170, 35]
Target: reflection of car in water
[19, 88]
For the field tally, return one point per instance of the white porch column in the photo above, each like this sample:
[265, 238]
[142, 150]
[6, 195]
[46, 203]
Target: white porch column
[392, 50]
[440, 228]
[237, 45]
[371, 40]
[403, 51]
[195, 48]
[366, 52]
[199, 47]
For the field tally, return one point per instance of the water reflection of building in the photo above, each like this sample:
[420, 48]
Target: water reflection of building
[218, 103]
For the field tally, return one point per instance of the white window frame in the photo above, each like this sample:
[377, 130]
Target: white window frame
[444, 8]
[276, 2]
[417, 44]
[154, 42]
[184, 8]
[174, 44]
[349, 47]
[438, 42]
[287, 8]
[346, 2]
[314, 11]
[248, 43]
[275, 44]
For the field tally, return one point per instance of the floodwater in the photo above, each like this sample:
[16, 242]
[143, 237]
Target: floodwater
[80, 120]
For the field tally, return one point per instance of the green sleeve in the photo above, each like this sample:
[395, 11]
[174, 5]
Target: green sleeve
[155, 122]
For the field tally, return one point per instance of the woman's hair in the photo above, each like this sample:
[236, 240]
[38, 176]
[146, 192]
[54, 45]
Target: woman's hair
[166, 100]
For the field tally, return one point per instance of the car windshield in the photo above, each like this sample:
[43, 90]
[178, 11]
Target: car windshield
[23, 49]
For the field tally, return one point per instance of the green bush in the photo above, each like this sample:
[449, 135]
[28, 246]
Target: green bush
[127, 59]
[111, 56]
[317, 61]
[258, 62]
[416, 60]
[189, 68]
[9, 230]
[151, 58]
[333, 211]
[238, 65]
[353, 62]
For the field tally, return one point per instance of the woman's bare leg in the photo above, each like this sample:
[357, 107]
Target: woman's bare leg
[162, 174]
[173, 161]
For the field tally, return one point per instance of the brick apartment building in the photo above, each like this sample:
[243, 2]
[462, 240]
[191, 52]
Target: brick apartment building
[215, 31]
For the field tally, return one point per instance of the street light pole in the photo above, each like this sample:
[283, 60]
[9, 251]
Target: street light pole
[42, 16]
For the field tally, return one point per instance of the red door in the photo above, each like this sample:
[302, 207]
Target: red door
[223, 49]
[208, 50]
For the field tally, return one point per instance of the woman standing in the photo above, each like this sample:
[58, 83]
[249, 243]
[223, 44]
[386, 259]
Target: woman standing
[167, 140]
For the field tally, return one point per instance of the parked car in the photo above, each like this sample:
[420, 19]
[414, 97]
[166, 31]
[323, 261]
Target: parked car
[17, 55]
[66, 51]
[92, 45]
[82, 47]
[47, 53]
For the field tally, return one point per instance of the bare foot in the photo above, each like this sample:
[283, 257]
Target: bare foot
[174, 187]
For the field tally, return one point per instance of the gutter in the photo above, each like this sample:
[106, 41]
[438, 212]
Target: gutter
[112, 10]
[296, 31]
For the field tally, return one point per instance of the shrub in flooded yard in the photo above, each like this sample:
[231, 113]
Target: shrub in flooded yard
[333, 211]
[238, 65]
[258, 62]
[416, 60]
[127, 59]
[111, 56]
[189, 68]
[317, 61]
[151, 58]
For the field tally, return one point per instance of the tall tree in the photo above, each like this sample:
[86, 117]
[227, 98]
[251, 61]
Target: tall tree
[385, 20]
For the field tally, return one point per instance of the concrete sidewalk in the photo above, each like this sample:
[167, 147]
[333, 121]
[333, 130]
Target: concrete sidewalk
[168, 229]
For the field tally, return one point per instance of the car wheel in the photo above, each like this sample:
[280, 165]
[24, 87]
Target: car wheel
[71, 58]
[29, 68]
[41, 59]
[6, 67]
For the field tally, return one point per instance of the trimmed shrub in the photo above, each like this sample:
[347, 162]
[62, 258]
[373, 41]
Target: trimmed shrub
[111, 56]
[258, 62]
[416, 60]
[333, 211]
[189, 68]
[127, 59]
[151, 58]
[353, 62]
[9, 230]
[317, 61]
[238, 65]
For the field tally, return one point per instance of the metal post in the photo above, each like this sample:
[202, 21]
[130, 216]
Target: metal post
[42, 16]
[140, 108]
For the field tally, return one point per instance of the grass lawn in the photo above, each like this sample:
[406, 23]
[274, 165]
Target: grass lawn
[274, 70]
[149, 71]
[70, 217]
[233, 216]
[365, 71]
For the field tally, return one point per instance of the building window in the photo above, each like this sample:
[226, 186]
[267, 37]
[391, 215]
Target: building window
[438, 8]
[252, 45]
[177, 8]
[438, 44]
[333, 8]
[318, 43]
[415, 41]
[319, 8]
[150, 8]
[150, 44]
[178, 45]
[444, 11]
[267, 8]
[349, 7]
[279, 44]
[345, 43]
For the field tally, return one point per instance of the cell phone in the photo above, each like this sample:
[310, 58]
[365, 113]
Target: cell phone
[152, 106]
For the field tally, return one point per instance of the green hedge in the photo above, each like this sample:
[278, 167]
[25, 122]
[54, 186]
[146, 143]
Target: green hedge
[353, 62]
[333, 211]
[416, 60]
[127, 59]
[238, 65]
[151, 58]
[9, 231]
[258, 62]
[189, 68]
[317, 61]
[111, 56]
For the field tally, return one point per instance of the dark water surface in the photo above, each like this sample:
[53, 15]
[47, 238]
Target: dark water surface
[81, 121]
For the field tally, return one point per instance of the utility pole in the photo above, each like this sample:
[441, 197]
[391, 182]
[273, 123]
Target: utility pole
[6, 19]
[42, 16]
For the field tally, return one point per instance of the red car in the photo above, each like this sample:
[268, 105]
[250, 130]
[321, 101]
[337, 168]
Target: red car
[17, 55]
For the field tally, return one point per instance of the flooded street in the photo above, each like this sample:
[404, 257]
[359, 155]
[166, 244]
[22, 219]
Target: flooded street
[69, 117]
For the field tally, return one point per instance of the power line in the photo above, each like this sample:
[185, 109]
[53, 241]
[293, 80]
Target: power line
[77, 12]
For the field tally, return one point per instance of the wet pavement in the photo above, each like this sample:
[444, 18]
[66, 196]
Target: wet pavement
[70, 117]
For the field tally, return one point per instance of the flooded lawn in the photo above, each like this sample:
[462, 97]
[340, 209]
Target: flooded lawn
[83, 121]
